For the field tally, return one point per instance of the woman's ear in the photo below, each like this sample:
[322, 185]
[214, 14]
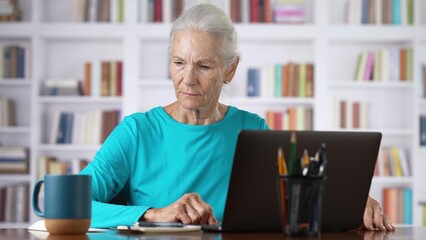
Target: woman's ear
[230, 72]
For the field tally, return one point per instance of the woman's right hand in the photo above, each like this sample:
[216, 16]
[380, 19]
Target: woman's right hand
[189, 209]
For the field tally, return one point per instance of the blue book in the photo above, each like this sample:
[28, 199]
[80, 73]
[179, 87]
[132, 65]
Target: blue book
[21, 62]
[364, 14]
[396, 12]
[68, 127]
[408, 206]
[60, 138]
[278, 80]
[253, 82]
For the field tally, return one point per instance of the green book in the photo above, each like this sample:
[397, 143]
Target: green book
[409, 64]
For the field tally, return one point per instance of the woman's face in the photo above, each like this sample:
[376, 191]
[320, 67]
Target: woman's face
[197, 70]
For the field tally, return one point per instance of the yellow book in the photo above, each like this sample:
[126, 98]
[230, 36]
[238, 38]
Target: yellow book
[396, 162]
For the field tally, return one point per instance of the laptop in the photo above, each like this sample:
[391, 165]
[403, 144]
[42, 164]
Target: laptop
[252, 200]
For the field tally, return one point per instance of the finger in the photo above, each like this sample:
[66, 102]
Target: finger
[378, 218]
[203, 209]
[387, 222]
[368, 218]
[212, 220]
[193, 214]
[180, 213]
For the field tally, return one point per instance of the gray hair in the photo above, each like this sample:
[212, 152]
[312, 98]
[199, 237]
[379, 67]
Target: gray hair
[209, 19]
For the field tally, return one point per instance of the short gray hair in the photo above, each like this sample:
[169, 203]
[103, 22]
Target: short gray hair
[209, 19]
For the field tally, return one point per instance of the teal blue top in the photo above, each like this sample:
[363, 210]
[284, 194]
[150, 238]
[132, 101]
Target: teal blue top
[156, 160]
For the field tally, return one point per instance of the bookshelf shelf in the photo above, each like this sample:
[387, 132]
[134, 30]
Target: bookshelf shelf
[372, 85]
[12, 130]
[80, 99]
[266, 101]
[13, 225]
[366, 33]
[393, 180]
[67, 147]
[4, 178]
[81, 30]
[386, 132]
[15, 82]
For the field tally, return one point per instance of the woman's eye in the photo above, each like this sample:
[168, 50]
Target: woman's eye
[205, 67]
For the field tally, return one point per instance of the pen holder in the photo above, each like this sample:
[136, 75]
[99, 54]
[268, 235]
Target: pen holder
[300, 199]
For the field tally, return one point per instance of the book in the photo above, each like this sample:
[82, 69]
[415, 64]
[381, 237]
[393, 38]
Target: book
[87, 79]
[14, 159]
[390, 203]
[62, 87]
[253, 82]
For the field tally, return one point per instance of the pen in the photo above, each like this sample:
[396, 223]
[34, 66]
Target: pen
[292, 154]
[322, 159]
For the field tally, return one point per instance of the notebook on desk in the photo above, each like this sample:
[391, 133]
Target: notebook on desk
[252, 201]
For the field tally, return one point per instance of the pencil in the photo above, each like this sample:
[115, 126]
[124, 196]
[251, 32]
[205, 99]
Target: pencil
[282, 166]
[292, 154]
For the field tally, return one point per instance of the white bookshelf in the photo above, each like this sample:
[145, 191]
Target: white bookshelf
[59, 48]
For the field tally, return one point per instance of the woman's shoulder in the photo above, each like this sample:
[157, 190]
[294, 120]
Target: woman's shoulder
[143, 118]
[246, 119]
[239, 113]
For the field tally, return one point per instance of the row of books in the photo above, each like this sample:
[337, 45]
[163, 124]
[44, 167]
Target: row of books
[91, 127]
[14, 62]
[398, 204]
[393, 162]
[288, 80]
[13, 159]
[7, 112]
[392, 64]
[351, 114]
[53, 165]
[294, 118]
[397, 12]
[267, 11]
[101, 78]
[422, 129]
[98, 11]
[9, 11]
[14, 202]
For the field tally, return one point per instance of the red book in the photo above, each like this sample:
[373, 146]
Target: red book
[158, 14]
[390, 203]
[356, 114]
[254, 11]
[236, 10]
[278, 121]
[119, 78]
[268, 11]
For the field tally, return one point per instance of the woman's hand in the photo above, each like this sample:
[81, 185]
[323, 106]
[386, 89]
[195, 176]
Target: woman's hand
[374, 218]
[189, 209]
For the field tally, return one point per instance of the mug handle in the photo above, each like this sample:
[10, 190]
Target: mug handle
[36, 192]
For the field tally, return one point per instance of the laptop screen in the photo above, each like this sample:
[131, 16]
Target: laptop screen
[252, 201]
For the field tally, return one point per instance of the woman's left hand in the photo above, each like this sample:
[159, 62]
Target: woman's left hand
[374, 218]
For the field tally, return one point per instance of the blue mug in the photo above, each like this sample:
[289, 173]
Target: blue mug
[67, 203]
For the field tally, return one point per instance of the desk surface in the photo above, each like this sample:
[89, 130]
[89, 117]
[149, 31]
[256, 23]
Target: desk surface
[400, 233]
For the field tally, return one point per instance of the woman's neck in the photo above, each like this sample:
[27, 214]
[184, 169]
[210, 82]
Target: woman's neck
[197, 116]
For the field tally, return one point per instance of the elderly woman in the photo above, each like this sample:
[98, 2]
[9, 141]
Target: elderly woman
[173, 163]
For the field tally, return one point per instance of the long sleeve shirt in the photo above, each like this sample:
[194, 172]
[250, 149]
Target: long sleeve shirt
[156, 160]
